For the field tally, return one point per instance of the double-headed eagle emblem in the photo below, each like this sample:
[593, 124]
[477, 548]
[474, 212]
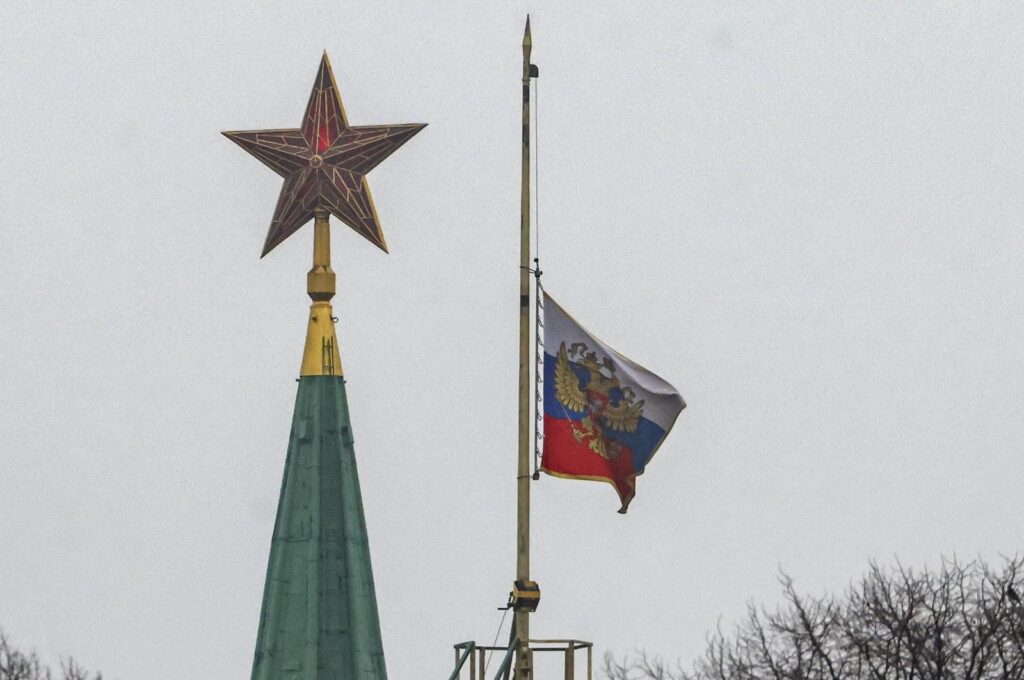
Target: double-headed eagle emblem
[605, 403]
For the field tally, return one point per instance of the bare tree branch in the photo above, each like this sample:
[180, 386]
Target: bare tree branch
[964, 621]
[16, 665]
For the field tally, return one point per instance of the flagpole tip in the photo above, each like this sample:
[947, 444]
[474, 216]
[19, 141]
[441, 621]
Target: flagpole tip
[527, 39]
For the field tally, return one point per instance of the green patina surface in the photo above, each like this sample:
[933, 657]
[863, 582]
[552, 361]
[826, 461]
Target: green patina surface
[319, 618]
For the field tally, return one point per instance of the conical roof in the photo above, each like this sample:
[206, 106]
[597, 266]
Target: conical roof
[319, 618]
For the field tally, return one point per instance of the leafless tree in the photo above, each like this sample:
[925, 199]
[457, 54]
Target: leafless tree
[964, 621]
[16, 665]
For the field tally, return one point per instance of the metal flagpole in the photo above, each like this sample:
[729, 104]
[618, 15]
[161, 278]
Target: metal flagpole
[523, 671]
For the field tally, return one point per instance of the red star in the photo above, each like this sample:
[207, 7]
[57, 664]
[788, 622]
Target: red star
[324, 163]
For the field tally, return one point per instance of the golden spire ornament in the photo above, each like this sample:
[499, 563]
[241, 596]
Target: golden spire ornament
[324, 165]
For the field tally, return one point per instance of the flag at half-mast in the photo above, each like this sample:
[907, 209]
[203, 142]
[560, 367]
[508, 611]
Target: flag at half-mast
[604, 415]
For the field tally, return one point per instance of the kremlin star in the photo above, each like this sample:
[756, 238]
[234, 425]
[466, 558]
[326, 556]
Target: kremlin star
[324, 163]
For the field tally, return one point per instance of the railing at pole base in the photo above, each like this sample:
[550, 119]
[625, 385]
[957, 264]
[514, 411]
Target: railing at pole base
[475, 656]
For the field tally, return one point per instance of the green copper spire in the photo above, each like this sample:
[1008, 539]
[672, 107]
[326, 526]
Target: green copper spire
[319, 619]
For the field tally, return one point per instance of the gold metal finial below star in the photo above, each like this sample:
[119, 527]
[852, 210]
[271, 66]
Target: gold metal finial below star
[320, 356]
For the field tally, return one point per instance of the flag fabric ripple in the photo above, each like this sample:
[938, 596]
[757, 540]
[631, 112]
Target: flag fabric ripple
[604, 415]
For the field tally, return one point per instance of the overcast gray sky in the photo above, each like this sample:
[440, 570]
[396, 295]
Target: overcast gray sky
[806, 216]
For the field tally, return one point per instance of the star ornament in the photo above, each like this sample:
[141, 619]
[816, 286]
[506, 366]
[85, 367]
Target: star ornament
[324, 163]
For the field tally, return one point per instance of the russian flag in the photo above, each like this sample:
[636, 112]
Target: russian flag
[604, 415]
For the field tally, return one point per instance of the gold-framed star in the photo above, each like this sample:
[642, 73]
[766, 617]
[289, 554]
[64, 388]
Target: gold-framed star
[324, 163]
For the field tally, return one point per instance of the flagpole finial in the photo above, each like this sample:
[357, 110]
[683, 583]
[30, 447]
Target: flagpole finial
[527, 38]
